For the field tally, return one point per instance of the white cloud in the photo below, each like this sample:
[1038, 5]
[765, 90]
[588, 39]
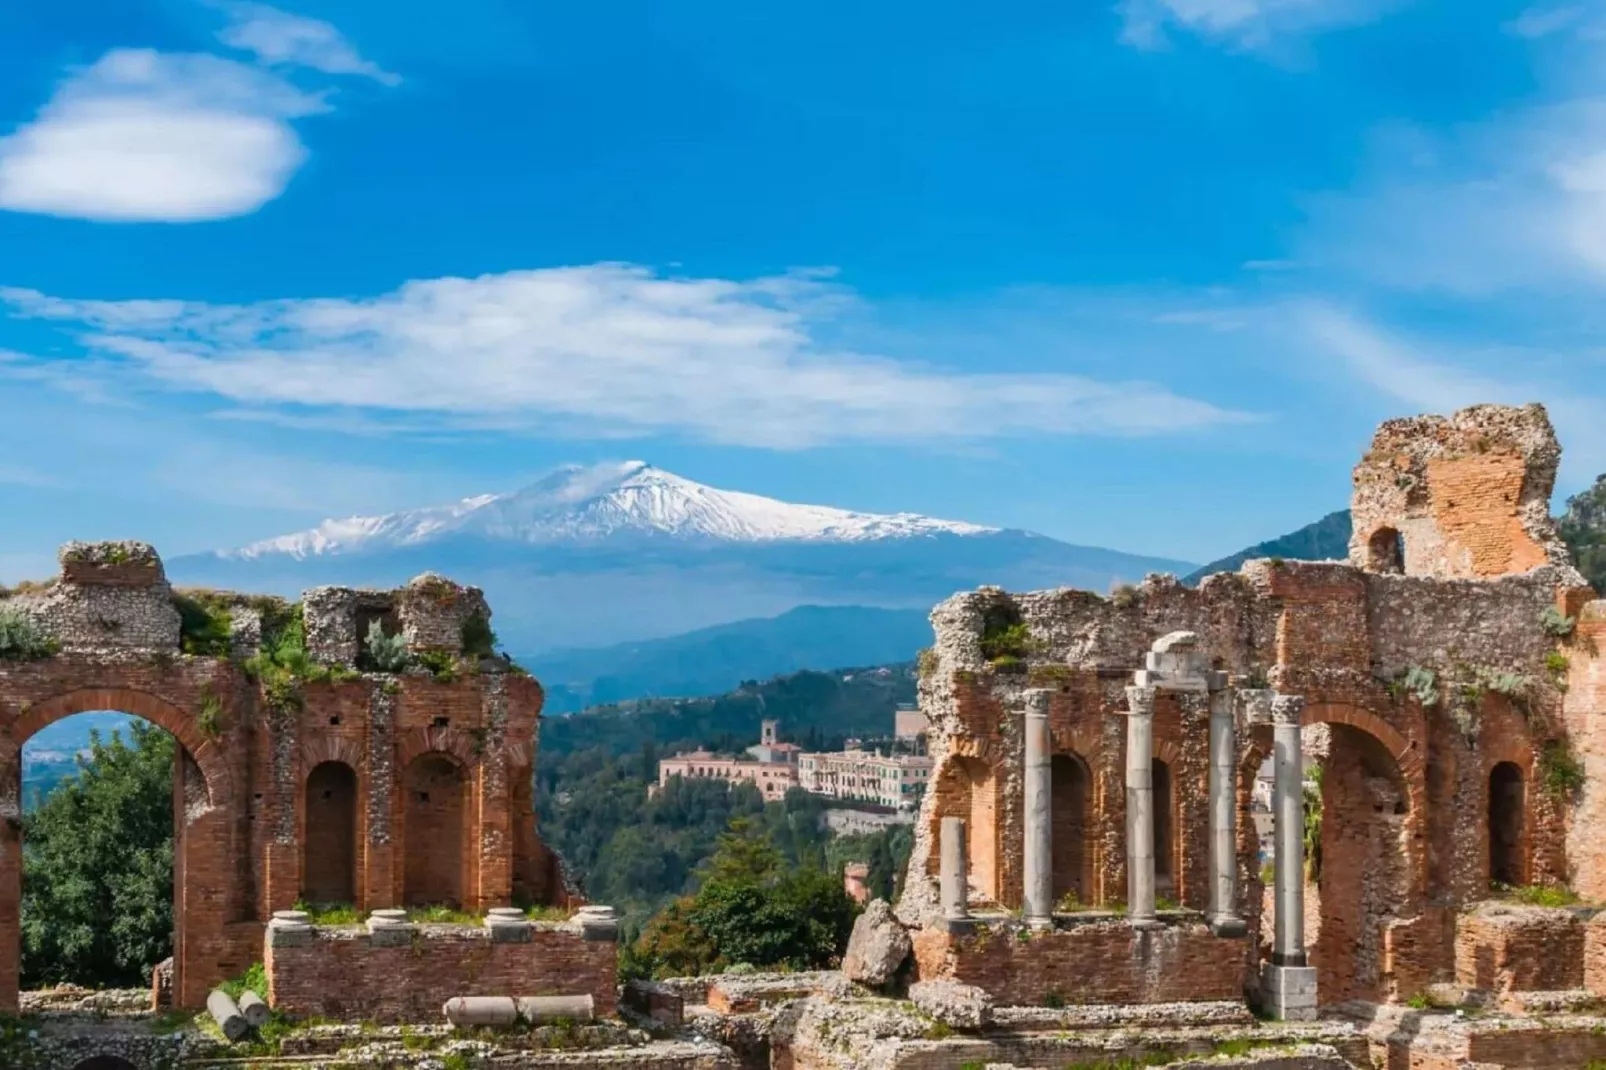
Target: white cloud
[280, 38]
[600, 349]
[1249, 24]
[151, 136]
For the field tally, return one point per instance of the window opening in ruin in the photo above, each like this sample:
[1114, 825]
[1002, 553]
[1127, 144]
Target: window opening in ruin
[442, 722]
[1386, 551]
[133, 780]
[1164, 827]
[433, 832]
[1505, 825]
[329, 844]
[1070, 788]
[334, 720]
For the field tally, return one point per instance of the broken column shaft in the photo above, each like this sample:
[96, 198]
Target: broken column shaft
[953, 873]
[1140, 805]
[1039, 891]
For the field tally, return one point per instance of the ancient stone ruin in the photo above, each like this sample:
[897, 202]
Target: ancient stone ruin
[1088, 883]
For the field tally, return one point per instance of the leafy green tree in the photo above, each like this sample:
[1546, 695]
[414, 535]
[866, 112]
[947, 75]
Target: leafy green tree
[97, 882]
[1583, 528]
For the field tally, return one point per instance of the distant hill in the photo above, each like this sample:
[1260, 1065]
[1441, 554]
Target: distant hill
[814, 708]
[1325, 540]
[711, 660]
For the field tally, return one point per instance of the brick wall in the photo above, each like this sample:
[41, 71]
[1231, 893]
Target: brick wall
[1506, 948]
[340, 973]
[1088, 962]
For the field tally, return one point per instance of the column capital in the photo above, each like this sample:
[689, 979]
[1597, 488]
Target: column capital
[1140, 700]
[1287, 709]
[1037, 701]
[1254, 704]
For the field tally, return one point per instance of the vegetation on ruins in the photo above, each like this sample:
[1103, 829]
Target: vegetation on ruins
[1005, 639]
[97, 889]
[751, 908]
[205, 622]
[381, 652]
[20, 637]
[479, 641]
[1560, 770]
[1556, 623]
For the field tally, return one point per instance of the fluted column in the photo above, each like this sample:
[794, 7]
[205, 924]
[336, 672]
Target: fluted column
[1140, 805]
[1039, 784]
[1223, 790]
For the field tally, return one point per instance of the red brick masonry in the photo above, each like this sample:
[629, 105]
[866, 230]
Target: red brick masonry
[1088, 962]
[339, 973]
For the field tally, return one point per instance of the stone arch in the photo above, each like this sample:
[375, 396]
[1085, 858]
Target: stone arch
[1074, 831]
[967, 787]
[437, 739]
[1385, 551]
[436, 811]
[1372, 871]
[1507, 805]
[181, 725]
[329, 844]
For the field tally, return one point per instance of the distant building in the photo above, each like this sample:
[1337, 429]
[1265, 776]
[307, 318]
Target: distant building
[908, 724]
[769, 749]
[845, 822]
[897, 781]
[773, 779]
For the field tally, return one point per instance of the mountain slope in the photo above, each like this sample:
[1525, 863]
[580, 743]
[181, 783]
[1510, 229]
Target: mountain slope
[1325, 540]
[711, 660]
[615, 553]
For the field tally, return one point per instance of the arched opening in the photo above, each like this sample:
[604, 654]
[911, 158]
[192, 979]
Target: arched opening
[1070, 788]
[105, 1062]
[103, 793]
[1365, 880]
[1385, 551]
[1165, 839]
[435, 813]
[1505, 825]
[965, 788]
[329, 846]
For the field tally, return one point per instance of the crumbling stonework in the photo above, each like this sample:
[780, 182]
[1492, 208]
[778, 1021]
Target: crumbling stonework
[1457, 690]
[290, 780]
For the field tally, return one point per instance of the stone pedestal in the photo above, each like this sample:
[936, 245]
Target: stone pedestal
[1289, 992]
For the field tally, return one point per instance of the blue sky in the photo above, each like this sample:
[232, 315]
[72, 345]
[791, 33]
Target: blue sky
[1140, 274]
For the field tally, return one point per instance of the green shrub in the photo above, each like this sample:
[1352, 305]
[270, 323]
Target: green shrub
[443, 664]
[1557, 623]
[1005, 636]
[204, 624]
[209, 719]
[1560, 771]
[1421, 685]
[21, 638]
[1556, 663]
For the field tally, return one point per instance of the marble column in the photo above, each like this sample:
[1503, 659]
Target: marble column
[953, 872]
[1039, 813]
[1288, 984]
[1140, 805]
[1223, 790]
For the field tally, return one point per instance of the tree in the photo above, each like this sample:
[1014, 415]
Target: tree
[1583, 528]
[97, 883]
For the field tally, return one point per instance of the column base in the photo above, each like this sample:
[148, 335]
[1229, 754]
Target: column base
[1228, 926]
[957, 926]
[1289, 992]
[1042, 924]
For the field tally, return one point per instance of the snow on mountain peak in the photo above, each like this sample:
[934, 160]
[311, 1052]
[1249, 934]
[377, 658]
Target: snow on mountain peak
[578, 504]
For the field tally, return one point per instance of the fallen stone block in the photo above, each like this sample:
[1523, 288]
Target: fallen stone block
[878, 946]
[953, 1004]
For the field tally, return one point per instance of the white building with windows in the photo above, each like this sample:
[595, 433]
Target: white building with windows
[892, 780]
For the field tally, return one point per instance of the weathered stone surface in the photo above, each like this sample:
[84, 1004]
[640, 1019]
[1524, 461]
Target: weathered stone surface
[878, 947]
[953, 1004]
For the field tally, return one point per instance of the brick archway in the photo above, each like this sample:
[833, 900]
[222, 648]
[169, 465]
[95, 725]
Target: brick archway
[202, 838]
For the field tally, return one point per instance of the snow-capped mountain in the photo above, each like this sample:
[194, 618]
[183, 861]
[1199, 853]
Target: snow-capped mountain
[626, 552]
[577, 505]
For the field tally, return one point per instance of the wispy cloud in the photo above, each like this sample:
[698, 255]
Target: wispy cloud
[279, 38]
[147, 136]
[1245, 24]
[608, 349]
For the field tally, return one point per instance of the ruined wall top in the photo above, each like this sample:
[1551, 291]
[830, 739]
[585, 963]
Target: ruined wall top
[1465, 496]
